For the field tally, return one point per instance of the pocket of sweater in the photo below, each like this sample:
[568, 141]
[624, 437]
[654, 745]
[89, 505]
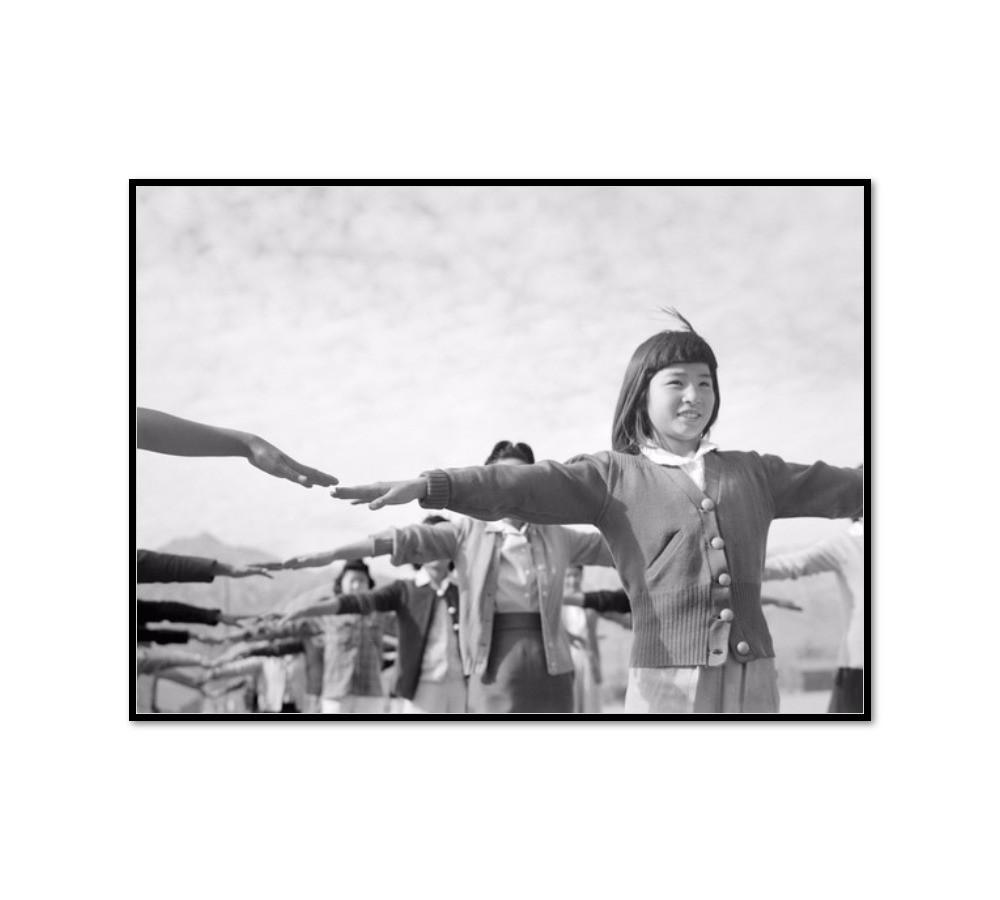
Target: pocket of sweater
[656, 566]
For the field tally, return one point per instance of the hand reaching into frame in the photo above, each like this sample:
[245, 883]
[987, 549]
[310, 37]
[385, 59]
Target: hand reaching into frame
[164, 433]
[383, 493]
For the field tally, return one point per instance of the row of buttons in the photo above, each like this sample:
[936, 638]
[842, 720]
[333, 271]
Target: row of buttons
[724, 578]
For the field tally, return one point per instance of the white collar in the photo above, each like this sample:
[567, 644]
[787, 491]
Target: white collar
[857, 529]
[666, 458]
[423, 579]
[504, 527]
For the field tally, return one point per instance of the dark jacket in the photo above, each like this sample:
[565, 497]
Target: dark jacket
[162, 567]
[414, 608]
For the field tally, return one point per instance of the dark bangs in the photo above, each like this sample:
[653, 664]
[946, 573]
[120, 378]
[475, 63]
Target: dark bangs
[630, 427]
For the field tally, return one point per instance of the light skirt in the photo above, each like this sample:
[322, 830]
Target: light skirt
[730, 689]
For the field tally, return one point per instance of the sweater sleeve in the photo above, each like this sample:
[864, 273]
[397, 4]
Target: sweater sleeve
[546, 493]
[167, 567]
[826, 556]
[385, 599]
[424, 543]
[588, 549]
[174, 611]
[821, 490]
[607, 601]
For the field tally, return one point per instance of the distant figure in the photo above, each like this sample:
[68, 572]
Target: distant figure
[163, 433]
[352, 649]
[844, 556]
[430, 677]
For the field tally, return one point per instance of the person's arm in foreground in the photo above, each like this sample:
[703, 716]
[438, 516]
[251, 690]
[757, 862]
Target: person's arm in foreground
[163, 433]
[546, 493]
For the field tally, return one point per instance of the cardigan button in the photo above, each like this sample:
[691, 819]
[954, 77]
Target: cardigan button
[725, 579]
[708, 504]
[451, 609]
[743, 648]
[718, 543]
[727, 615]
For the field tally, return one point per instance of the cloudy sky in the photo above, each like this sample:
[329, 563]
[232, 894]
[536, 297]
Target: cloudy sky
[377, 332]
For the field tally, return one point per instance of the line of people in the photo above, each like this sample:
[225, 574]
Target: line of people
[683, 522]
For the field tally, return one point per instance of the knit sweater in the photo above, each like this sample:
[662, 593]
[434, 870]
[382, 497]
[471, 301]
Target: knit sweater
[690, 560]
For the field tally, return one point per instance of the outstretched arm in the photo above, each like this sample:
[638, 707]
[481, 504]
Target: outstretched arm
[164, 433]
[822, 557]
[171, 567]
[547, 493]
[357, 550]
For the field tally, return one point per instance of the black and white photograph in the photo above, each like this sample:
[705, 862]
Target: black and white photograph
[554, 450]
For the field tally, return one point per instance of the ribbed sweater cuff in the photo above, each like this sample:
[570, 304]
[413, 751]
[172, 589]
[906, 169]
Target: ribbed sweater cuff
[438, 489]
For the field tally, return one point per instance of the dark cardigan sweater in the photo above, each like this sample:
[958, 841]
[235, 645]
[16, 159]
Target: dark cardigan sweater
[690, 561]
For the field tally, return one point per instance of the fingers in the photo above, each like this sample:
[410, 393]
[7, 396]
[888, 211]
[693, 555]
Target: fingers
[313, 476]
[363, 493]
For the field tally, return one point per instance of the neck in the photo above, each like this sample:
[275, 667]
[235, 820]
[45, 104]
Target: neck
[678, 447]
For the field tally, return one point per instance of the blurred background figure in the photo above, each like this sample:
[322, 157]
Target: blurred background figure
[429, 677]
[352, 650]
[844, 556]
[163, 433]
[581, 626]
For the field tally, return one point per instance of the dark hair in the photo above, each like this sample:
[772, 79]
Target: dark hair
[352, 565]
[507, 450]
[433, 519]
[631, 427]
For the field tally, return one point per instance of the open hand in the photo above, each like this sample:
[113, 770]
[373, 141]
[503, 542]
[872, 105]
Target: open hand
[383, 493]
[232, 571]
[268, 458]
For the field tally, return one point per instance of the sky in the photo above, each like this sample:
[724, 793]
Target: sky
[375, 332]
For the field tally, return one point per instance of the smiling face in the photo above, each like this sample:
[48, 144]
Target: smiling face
[679, 403]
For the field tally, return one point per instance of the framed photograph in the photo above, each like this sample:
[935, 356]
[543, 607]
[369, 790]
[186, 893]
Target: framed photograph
[540, 449]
